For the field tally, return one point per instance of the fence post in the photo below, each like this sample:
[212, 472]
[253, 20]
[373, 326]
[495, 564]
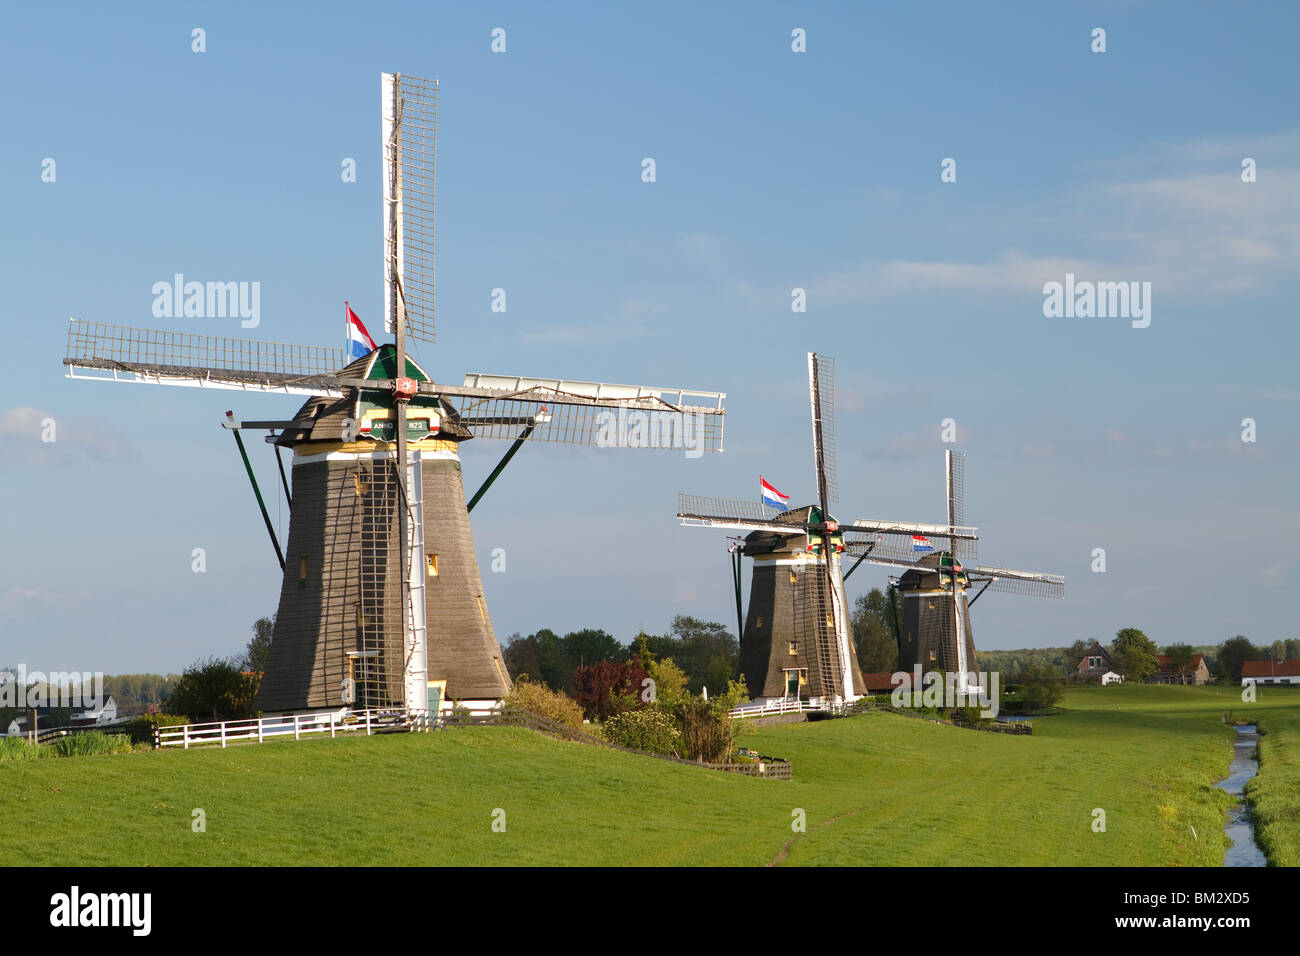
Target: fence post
[259, 730]
[295, 728]
[223, 735]
[187, 736]
[332, 716]
[367, 721]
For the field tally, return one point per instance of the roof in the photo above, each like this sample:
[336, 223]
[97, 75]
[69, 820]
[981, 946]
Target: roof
[1093, 650]
[1270, 669]
[878, 683]
[1166, 665]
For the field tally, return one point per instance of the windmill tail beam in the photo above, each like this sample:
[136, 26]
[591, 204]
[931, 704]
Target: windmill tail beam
[257, 493]
[501, 465]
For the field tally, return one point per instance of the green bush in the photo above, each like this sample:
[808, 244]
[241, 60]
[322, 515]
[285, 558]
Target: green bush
[649, 729]
[90, 742]
[540, 699]
[708, 733]
[17, 748]
[140, 729]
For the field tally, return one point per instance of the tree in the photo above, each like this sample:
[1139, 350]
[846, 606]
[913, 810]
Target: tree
[1134, 654]
[1070, 660]
[213, 689]
[1180, 659]
[608, 688]
[1292, 647]
[873, 633]
[259, 648]
[1278, 651]
[1041, 685]
[1232, 654]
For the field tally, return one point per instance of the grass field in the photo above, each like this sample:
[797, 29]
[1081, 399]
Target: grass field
[876, 789]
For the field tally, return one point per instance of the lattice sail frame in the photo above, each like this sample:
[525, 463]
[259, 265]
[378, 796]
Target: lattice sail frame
[409, 136]
[821, 395]
[494, 406]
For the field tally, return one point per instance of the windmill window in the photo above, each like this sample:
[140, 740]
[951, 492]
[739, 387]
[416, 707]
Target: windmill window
[360, 478]
[792, 576]
[431, 563]
[932, 655]
[302, 568]
[759, 622]
[794, 648]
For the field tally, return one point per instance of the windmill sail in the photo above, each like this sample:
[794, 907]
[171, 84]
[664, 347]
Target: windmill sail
[409, 133]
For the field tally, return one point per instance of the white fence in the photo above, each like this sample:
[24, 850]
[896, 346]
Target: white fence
[225, 732]
[776, 707]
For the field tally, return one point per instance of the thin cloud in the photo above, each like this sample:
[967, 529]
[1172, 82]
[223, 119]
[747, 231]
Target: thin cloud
[32, 436]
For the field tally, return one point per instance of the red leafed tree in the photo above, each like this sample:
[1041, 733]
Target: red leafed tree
[608, 688]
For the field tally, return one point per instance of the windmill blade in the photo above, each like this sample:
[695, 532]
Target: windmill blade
[956, 488]
[871, 557]
[409, 133]
[902, 545]
[589, 413]
[1028, 583]
[121, 353]
[821, 394]
[699, 512]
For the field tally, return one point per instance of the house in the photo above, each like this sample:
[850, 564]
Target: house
[1111, 677]
[1270, 672]
[881, 683]
[94, 716]
[1197, 672]
[1096, 665]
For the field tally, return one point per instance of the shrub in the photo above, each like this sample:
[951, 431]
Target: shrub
[649, 729]
[17, 748]
[707, 730]
[966, 716]
[140, 729]
[540, 699]
[90, 742]
[608, 688]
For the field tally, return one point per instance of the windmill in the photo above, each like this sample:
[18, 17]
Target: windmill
[797, 642]
[935, 630]
[381, 603]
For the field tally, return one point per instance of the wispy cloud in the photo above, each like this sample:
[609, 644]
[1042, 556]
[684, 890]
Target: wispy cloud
[32, 436]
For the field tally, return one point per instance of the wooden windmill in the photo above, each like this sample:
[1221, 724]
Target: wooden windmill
[934, 632]
[381, 603]
[797, 642]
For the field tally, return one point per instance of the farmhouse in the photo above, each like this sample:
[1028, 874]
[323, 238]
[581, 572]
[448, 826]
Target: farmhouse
[1197, 672]
[1270, 672]
[95, 716]
[1096, 665]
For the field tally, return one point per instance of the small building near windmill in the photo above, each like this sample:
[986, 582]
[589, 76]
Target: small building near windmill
[1096, 664]
[1197, 672]
[1270, 672]
[94, 714]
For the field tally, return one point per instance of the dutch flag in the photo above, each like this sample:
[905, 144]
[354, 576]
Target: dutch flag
[921, 543]
[771, 497]
[359, 341]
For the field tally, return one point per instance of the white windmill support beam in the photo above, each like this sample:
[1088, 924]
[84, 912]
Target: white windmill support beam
[593, 392]
[908, 527]
[196, 378]
[390, 196]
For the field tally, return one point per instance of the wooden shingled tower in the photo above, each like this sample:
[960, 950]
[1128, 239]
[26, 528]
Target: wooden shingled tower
[381, 602]
[797, 640]
[933, 626]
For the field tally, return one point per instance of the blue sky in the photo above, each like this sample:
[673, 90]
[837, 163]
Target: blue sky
[775, 170]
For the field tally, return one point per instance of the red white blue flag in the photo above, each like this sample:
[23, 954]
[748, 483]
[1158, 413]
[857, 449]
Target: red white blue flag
[921, 543]
[359, 341]
[771, 497]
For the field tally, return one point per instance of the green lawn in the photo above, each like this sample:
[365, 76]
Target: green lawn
[876, 789]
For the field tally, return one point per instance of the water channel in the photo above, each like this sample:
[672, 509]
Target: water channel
[1245, 764]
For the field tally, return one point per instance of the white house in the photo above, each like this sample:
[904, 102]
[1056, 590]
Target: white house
[1270, 672]
[1110, 677]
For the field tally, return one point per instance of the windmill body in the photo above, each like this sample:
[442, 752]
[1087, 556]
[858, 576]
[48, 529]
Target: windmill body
[797, 641]
[381, 601]
[793, 646]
